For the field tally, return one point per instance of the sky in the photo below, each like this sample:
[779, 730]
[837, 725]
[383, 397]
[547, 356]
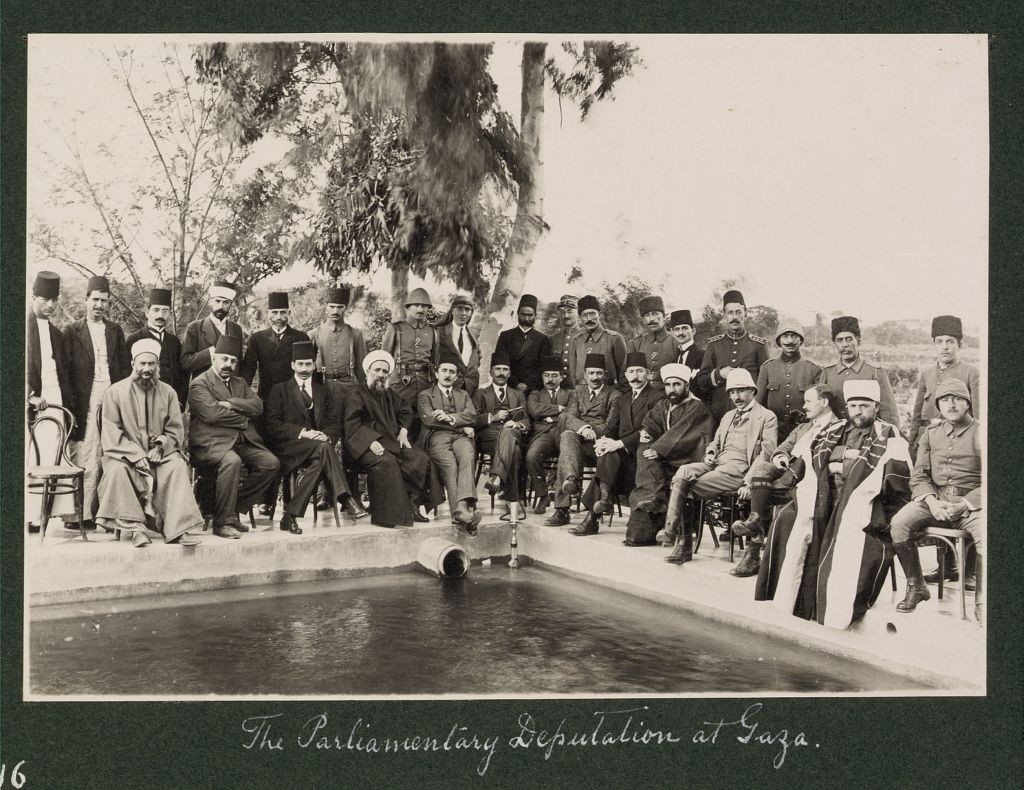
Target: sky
[831, 173]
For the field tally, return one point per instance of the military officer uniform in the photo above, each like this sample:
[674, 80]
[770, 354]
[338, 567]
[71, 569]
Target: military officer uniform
[414, 347]
[782, 382]
[658, 348]
[611, 345]
[561, 342]
[746, 351]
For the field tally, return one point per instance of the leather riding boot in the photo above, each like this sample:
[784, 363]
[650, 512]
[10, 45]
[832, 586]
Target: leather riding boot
[979, 589]
[952, 573]
[917, 590]
[676, 501]
[750, 562]
[683, 552]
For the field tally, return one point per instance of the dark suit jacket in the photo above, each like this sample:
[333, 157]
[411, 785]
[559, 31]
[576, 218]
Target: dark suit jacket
[199, 336]
[631, 415]
[285, 415]
[599, 415]
[540, 408]
[485, 401]
[469, 375]
[364, 425]
[34, 361]
[431, 399]
[82, 363]
[273, 358]
[525, 352]
[170, 362]
[213, 429]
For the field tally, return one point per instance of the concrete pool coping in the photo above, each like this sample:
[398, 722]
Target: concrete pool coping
[932, 645]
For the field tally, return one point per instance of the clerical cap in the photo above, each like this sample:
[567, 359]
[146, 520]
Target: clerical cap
[676, 370]
[146, 345]
[378, 356]
[223, 289]
[856, 389]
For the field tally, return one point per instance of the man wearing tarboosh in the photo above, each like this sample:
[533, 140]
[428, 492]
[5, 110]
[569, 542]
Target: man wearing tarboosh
[145, 486]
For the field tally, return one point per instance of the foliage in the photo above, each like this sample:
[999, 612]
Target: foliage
[595, 68]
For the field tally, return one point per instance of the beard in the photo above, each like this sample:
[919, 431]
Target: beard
[220, 314]
[378, 385]
[677, 397]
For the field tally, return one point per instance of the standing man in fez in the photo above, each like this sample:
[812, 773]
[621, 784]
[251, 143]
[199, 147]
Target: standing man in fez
[222, 434]
[145, 486]
[852, 367]
[340, 347]
[399, 477]
[834, 534]
[448, 416]
[546, 408]
[658, 346]
[616, 451]
[676, 431]
[98, 357]
[524, 347]
[456, 338]
[414, 346]
[561, 341]
[686, 351]
[302, 422]
[201, 335]
[270, 352]
[945, 488]
[744, 433]
[594, 408]
[501, 427]
[49, 379]
[724, 353]
[595, 339]
[157, 314]
[782, 382]
[947, 335]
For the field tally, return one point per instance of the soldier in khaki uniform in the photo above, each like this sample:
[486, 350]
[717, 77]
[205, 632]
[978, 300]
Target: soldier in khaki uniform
[724, 353]
[782, 382]
[596, 339]
[413, 344]
[852, 367]
[561, 341]
[656, 344]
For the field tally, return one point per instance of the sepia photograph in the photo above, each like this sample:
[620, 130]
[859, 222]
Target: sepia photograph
[373, 367]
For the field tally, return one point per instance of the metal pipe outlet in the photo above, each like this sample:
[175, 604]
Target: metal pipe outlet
[443, 558]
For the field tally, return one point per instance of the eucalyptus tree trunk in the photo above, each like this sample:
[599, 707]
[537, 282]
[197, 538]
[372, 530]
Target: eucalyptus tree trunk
[529, 222]
[399, 290]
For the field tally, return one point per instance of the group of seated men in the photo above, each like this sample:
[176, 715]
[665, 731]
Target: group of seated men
[818, 452]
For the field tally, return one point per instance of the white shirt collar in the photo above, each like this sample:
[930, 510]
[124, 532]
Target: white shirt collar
[307, 383]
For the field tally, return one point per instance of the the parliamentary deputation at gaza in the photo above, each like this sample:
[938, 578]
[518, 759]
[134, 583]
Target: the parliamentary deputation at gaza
[185, 440]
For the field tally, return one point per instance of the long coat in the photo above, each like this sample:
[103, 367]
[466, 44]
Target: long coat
[469, 374]
[200, 338]
[272, 357]
[170, 362]
[82, 363]
[525, 350]
[213, 429]
[618, 469]
[34, 362]
[285, 415]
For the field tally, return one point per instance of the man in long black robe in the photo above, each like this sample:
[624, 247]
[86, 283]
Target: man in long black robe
[377, 421]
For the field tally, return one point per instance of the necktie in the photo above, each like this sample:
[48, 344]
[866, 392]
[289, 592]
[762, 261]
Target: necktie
[501, 395]
[306, 397]
[737, 418]
[593, 395]
[449, 400]
[460, 345]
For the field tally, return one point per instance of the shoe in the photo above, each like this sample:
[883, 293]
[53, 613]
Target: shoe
[419, 517]
[33, 529]
[751, 526]
[288, 524]
[140, 539]
[952, 575]
[917, 590]
[750, 562]
[324, 504]
[87, 525]
[589, 525]
[473, 524]
[227, 531]
[353, 508]
[542, 505]
[559, 518]
[493, 485]
[971, 583]
[266, 510]
[725, 535]
[571, 487]
[185, 539]
[683, 552]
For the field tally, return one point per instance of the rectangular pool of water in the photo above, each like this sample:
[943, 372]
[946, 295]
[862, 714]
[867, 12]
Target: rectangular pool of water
[497, 632]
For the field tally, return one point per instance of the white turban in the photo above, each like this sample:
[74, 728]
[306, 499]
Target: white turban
[146, 345]
[854, 389]
[223, 291]
[676, 370]
[378, 356]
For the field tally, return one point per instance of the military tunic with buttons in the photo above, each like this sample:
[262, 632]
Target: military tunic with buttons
[928, 381]
[414, 348]
[659, 348]
[561, 342]
[838, 373]
[600, 341]
[781, 385]
[747, 351]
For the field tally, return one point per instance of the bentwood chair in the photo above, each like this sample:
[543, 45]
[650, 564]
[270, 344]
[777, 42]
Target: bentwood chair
[955, 539]
[718, 513]
[60, 477]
